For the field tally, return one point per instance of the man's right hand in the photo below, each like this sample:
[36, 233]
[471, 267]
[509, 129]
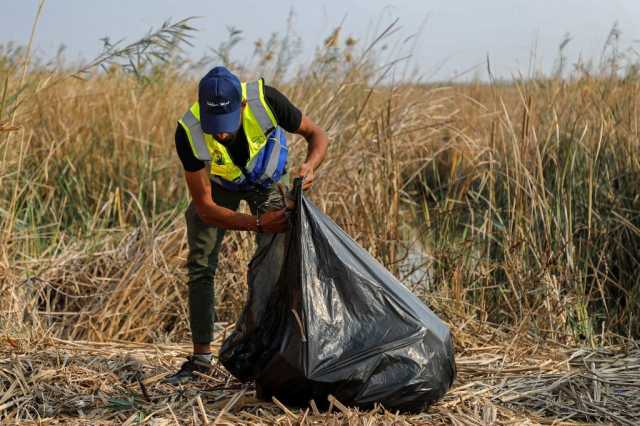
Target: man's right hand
[274, 222]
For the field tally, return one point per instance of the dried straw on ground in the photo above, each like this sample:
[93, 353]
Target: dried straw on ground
[62, 382]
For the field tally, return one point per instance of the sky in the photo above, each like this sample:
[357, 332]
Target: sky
[453, 38]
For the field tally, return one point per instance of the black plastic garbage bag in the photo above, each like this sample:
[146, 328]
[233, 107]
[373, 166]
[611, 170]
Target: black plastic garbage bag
[324, 317]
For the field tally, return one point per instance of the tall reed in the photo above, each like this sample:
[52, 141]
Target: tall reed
[518, 200]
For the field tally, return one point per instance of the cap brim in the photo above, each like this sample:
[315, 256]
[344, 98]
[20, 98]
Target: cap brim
[220, 123]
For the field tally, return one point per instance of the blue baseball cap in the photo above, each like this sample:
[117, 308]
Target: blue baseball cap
[220, 99]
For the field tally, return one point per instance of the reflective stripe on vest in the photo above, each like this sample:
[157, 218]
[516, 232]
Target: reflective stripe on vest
[197, 136]
[253, 99]
[267, 144]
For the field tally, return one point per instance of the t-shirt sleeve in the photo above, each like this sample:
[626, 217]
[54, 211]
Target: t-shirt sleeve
[183, 148]
[287, 115]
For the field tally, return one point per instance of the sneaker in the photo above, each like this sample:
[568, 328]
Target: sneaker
[185, 374]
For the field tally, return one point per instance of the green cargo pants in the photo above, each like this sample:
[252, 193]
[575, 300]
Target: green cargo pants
[204, 246]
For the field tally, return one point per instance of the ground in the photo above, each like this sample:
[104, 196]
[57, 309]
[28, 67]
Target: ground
[55, 381]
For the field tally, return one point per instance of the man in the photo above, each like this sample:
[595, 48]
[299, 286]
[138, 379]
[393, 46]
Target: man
[233, 148]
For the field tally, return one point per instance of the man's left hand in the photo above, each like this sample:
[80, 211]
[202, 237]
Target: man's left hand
[306, 171]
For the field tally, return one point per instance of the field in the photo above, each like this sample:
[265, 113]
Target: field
[511, 208]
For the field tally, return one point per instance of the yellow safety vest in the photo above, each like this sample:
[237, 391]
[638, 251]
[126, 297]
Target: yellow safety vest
[257, 120]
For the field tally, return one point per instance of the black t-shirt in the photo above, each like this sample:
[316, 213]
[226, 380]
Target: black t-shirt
[287, 116]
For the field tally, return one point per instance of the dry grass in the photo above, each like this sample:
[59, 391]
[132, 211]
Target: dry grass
[502, 380]
[518, 202]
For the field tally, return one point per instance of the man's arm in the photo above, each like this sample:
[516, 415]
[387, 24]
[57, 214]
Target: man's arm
[318, 142]
[222, 217]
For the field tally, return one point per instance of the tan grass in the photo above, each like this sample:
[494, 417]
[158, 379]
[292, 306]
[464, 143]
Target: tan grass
[84, 382]
[517, 201]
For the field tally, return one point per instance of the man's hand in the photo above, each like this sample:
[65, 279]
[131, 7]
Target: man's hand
[306, 171]
[317, 149]
[274, 222]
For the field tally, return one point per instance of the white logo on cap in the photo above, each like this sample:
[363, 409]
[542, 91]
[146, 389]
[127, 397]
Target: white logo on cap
[221, 104]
